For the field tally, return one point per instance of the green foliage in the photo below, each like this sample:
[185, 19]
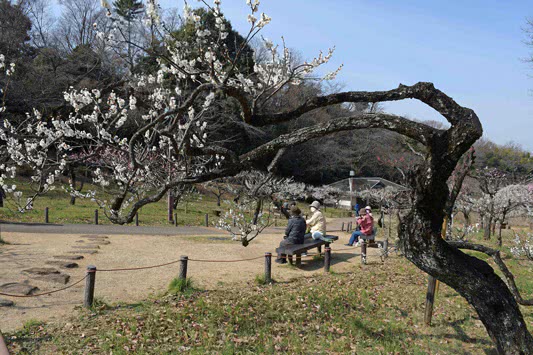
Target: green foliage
[191, 213]
[31, 325]
[509, 158]
[318, 257]
[128, 9]
[180, 286]
[99, 304]
[261, 281]
[234, 41]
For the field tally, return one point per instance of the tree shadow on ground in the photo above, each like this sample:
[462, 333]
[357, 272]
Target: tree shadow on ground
[312, 264]
[462, 336]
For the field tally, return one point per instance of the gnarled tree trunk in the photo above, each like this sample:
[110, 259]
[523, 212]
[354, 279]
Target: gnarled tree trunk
[472, 278]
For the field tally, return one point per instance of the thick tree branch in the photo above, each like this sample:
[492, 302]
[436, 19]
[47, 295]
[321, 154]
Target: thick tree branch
[420, 132]
[425, 92]
[495, 254]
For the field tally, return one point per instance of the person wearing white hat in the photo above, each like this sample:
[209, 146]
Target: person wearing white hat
[317, 222]
[366, 222]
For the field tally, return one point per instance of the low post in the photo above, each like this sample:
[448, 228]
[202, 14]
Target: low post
[342, 227]
[275, 222]
[46, 220]
[137, 219]
[183, 267]
[430, 298]
[234, 222]
[386, 248]
[207, 220]
[96, 217]
[327, 259]
[89, 286]
[363, 252]
[176, 219]
[268, 268]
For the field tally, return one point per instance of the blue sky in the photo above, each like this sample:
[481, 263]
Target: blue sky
[470, 49]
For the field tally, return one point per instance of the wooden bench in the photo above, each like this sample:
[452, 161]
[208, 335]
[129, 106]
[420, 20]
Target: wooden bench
[299, 249]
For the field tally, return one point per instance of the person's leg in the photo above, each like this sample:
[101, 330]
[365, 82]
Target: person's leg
[355, 237]
[282, 257]
[319, 235]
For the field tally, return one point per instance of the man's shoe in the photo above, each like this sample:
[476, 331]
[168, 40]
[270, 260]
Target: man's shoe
[349, 245]
[281, 261]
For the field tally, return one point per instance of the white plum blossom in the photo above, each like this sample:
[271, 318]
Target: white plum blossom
[167, 111]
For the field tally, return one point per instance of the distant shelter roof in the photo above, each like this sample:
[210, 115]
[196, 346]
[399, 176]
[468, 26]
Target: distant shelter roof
[366, 183]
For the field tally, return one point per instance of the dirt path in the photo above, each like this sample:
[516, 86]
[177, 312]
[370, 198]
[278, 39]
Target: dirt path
[33, 250]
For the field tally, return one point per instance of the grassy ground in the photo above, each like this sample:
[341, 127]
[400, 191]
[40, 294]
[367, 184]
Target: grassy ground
[375, 309]
[189, 213]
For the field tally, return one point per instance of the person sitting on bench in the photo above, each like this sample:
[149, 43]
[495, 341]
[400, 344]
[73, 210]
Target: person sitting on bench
[317, 222]
[294, 233]
[366, 221]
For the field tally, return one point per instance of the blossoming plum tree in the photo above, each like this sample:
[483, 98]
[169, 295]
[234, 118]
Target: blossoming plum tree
[171, 146]
[251, 209]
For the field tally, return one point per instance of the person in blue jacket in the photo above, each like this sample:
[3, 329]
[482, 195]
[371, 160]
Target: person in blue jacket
[294, 233]
[357, 208]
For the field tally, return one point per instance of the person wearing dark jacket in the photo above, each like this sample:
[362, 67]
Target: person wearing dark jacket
[294, 233]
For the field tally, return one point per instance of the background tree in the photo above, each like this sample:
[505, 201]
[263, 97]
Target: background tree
[128, 13]
[171, 146]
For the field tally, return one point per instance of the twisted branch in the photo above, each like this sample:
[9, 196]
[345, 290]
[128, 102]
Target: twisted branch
[495, 254]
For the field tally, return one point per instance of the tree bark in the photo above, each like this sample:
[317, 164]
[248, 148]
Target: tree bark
[467, 220]
[471, 277]
[500, 234]
[487, 228]
[257, 210]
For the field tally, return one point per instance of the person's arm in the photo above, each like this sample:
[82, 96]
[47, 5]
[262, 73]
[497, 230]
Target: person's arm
[312, 220]
[288, 229]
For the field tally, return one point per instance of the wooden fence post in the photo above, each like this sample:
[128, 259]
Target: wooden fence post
[363, 252]
[268, 268]
[175, 219]
[46, 220]
[89, 286]
[327, 259]
[96, 217]
[137, 219]
[183, 267]
[430, 298]
[342, 227]
[234, 222]
[207, 220]
[386, 247]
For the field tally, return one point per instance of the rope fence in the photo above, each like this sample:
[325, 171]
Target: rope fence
[90, 276]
